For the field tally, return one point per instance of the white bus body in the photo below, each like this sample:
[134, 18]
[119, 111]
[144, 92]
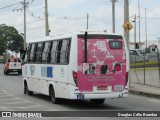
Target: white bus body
[86, 65]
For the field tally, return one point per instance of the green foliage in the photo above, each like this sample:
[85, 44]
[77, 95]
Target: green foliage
[10, 39]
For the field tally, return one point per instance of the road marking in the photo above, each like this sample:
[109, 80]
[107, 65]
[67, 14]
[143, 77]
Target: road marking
[16, 102]
[26, 107]
[5, 108]
[9, 99]
[7, 103]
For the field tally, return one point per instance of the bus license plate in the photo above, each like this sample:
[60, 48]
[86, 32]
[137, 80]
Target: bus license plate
[80, 96]
[102, 88]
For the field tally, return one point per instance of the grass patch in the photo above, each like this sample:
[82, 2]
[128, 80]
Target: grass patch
[142, 63]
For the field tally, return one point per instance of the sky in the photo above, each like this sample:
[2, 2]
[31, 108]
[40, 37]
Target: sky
[67, 16]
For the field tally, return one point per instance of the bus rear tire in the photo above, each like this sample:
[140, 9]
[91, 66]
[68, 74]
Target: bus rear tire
[6, 72]
[26, 91]
[97, 101]
[54, 100]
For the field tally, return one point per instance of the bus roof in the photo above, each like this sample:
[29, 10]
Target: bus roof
[69, 35]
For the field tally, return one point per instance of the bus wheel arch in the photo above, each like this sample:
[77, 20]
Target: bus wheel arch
[26, 91]
[54, 100]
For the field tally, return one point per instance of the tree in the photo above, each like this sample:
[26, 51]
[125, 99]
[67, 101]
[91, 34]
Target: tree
[10, 39]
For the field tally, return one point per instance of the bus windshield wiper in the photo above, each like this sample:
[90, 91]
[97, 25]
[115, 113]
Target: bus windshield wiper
[85, 47]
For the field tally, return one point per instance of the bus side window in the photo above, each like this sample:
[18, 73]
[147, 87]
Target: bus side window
[59, 51]
[68, 51]
[44, 52]
[49, 52]
[53, 52]
[38, 53]
[64, 52]
[31, 54]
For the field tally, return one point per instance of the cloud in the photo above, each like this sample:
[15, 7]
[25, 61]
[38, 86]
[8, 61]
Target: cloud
[100, 17]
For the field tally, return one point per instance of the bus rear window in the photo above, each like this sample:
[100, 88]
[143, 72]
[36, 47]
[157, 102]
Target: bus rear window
[115, 44]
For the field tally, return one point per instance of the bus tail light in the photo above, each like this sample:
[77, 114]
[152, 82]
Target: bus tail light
[7, 65]
[117, 67]
[126, 78]
[75, 77]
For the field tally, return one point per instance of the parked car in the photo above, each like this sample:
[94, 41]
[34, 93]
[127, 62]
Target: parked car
[13, 65]
[135, 56]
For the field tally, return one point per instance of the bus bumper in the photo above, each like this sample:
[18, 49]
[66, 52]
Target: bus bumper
[87, 95]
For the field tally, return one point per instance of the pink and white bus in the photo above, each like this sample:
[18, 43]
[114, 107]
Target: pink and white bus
[84, 65]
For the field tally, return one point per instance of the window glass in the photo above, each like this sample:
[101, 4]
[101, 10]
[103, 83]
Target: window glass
[38, 52]
[115, 44]
[64, 54]
[53, 53]
[58, 52]
[32, 53]
[45, 52]
[64, 45]
[54, 46]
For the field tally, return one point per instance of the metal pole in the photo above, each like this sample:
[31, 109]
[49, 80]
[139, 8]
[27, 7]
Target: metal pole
[113, 16]
[158, 64]
[145, 49]
[139, 23]
[146, 27]
[24, 24]
[135, 36]
[126, 18]
[46, 18]
[144, 70]
[135, 31]
[126, 34]
[87, 20]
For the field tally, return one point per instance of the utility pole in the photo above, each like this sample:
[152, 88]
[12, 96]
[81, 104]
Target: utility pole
[24, 24]
[126, 18]
[25, 4]
[113, 15]
[139, 23]
[46, 18]
[135, 31]
[87, 20]
[146, 27]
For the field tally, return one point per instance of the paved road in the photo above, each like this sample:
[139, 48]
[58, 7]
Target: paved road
[13, 99]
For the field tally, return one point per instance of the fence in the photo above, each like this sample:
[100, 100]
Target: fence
[145, 68]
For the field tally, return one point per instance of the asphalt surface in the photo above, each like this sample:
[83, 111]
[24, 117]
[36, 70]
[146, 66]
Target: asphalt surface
[13, 99]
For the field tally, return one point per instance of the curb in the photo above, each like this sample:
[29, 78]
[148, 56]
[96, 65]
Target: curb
[144, 93]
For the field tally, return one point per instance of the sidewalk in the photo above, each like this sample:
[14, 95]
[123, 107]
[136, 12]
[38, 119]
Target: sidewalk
[145, 90]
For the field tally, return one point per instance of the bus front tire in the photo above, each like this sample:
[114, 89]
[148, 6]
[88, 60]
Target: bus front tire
[97, 101]
[54, 100]
[26, 91]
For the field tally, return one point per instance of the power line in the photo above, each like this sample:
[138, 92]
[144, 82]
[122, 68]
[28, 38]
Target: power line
[30, 22]
[72, 7]
[9, 5]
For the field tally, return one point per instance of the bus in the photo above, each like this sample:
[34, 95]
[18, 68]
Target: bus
[81, 66]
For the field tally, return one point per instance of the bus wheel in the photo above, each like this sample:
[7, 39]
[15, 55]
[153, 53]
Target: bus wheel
[19, 73]
[97, 101]
[26, 91]
[54, 100]
[6, 72]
